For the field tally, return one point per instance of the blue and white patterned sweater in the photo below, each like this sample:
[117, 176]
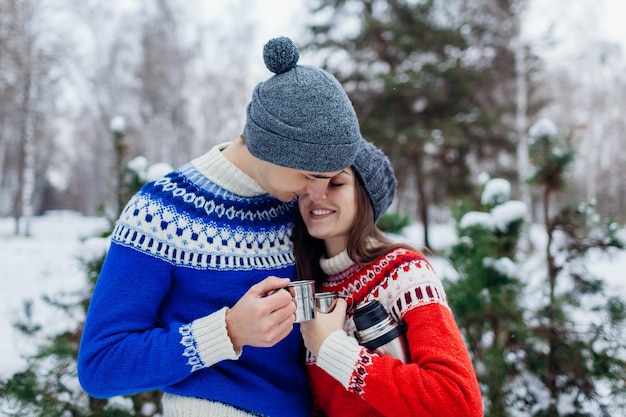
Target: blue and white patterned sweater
[186, 247]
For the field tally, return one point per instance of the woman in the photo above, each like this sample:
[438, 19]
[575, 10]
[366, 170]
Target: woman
[337, 242]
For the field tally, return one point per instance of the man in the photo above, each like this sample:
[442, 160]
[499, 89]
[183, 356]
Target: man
[187, 298]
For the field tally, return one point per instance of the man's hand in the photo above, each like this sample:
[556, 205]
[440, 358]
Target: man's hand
[263, 316]
[314, 332]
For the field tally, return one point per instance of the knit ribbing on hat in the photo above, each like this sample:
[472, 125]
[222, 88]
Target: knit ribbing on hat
[301, 117]
[379, 180]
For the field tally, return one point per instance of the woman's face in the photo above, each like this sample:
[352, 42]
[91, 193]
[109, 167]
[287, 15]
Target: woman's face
[330, 216]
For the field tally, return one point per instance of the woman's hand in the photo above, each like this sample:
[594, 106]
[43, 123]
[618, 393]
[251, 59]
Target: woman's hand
[315, 331]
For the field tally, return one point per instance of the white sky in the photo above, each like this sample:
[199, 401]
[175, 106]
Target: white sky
[575, 23]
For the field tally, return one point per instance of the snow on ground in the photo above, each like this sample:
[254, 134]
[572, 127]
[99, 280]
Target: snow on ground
[46, 263]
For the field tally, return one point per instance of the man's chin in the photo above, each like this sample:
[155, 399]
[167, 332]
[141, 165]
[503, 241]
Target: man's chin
[286, 198]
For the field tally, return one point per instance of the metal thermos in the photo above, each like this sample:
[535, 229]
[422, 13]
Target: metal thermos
[378, 331]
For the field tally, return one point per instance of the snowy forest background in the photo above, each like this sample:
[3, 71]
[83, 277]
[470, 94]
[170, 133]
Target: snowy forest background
[444, 104]
[461, 94]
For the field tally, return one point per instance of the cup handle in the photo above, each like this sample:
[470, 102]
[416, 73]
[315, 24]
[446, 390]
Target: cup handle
[350, 300]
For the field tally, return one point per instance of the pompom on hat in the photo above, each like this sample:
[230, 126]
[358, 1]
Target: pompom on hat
[375, 171]
[301, 117]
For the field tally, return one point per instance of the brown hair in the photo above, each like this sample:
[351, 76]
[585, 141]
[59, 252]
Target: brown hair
[366, 242]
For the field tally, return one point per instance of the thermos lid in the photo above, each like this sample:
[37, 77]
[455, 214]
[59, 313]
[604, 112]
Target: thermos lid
[369, 314]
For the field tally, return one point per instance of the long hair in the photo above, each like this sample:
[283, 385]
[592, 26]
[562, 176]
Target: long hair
[366, 242]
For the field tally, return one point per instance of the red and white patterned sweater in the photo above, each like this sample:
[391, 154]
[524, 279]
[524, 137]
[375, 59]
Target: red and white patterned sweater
[348, 380]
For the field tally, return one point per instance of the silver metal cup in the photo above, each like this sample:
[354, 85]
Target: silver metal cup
[303, 293]
[325, 301]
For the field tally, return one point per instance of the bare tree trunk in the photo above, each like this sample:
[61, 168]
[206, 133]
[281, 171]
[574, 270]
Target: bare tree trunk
[29, 167]
[552, 365]
[521, 122]
[422, 199]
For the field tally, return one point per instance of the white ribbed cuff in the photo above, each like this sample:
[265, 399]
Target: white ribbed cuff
[178, 406]
[212, 340]
[338, 356]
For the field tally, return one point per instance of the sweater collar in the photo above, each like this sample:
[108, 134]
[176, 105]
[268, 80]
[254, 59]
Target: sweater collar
[219, 170]
[336, 264]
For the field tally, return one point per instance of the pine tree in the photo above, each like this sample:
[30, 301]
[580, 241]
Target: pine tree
[429, 81]
[578, 346]
[549, 348]
[485, 297]
[401, 81]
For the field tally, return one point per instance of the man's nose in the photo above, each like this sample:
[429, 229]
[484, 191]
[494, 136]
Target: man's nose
[317, 188]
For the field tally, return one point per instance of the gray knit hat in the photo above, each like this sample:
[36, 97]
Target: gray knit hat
[376, 173]
[301, 117]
